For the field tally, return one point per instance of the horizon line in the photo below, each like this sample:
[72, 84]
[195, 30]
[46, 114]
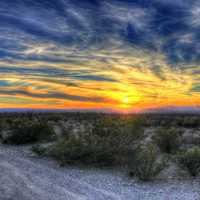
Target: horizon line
[167, 110]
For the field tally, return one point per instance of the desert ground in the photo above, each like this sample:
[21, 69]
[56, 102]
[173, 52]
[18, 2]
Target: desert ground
[26, 177]
[29, 171]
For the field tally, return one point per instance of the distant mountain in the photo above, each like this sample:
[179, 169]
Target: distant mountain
[174, 109]
[53, 110]
[164, 110]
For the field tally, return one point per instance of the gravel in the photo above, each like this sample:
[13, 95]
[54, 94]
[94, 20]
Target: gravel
[24, 176]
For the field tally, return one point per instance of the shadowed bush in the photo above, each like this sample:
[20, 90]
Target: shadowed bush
[109, 143]
[83, 150]
[168, 139]
[123, 127]
[144, 164]
[29, 133]
[38, 150]
[190, 160]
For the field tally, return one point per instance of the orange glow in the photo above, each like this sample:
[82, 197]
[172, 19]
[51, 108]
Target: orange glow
[132, 89]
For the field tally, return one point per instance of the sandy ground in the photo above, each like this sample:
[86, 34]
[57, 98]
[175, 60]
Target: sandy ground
[26, 177]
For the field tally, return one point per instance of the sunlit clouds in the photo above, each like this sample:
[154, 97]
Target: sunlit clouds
[107, 55]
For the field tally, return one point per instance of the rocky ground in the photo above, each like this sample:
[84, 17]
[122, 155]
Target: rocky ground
[26, 177]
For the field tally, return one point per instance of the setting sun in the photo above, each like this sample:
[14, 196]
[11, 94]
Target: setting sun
[125, 100]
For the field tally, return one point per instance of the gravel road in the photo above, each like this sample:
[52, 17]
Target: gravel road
[26, 177]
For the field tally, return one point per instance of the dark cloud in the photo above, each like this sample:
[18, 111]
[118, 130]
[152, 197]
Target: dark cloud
[157, 70]
[51, 95]
[55, 72]
[196, 88]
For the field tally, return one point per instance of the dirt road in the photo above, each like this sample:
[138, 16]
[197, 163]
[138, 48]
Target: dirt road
[26, 177]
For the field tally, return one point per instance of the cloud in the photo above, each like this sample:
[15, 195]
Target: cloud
[124, 14]
[196, 88]
[194, 15]
[95, 53]
[50, 95]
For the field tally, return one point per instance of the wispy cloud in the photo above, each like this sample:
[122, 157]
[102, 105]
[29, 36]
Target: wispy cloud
[87, 54]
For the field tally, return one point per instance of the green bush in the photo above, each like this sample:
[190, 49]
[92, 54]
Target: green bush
[144, 163]
[38, 150]
[126, 130]
[191, 122]
[83, 150]
[168, 140]
[190, 160]
[29, 133]
[109, 143]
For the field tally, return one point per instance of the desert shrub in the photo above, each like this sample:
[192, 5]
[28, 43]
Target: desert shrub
[83, 150]
[120, 128]
[109, 143]
[190, 160]
[168, 139]
[29, 133]
[191, 122]
[38, 149]
[144, 164]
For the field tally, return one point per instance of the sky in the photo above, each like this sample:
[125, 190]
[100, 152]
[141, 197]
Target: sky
[125, 55]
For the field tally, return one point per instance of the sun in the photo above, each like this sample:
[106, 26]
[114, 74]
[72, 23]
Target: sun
[125, 100]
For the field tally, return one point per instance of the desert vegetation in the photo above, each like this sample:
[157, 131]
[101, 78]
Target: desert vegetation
[144, 163]
[190, 160]
[108, 143]
[168, 139]
[143, 145]
[27, 132]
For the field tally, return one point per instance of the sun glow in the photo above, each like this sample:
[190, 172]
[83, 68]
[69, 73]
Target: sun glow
[126, 87]
[125, 100]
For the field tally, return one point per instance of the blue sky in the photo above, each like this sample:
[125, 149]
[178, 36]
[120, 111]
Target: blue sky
[119, 54]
